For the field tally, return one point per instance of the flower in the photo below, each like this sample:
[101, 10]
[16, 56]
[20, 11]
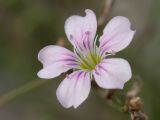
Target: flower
[88, 60]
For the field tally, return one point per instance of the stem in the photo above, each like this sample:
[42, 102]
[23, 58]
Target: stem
[28, 86]
[108, 5]
[132, 103]
[21, 90]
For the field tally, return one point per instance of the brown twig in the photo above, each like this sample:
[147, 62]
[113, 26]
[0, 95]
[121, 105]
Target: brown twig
[61, 41]
[108, 5]
[110, 94]
[134, 103]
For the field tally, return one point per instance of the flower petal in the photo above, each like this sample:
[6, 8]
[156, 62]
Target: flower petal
[74, 89]
[81, 30]
[117, 35]
[112, 73]
[55, 60]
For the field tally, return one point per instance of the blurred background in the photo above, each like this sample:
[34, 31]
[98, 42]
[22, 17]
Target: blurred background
[26, 26]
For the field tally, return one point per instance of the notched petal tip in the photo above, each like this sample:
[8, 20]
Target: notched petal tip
[134, 32]
[43, 51]
[55, 60]
[117, 35]
[75, 106]
[44, 74]
[76, 26]
[39, 74]
[89, 11]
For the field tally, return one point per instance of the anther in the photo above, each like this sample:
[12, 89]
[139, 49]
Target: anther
[113, 52]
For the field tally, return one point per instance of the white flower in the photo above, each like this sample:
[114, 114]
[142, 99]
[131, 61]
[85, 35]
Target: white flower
[88, 59]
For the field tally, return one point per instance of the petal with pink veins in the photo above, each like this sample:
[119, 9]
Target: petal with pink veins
[117, 35]
[81, 30]
[112, 73]
[55, 60]
[74, 89]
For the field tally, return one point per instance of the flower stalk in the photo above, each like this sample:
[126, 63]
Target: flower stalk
[108, 6]
[126, 102]
[134, 103]
[11, 95]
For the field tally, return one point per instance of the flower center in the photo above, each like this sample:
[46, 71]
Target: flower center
[87, 52]
[90, 60]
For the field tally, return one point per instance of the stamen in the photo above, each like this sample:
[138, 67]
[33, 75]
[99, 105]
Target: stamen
[113, 52]
[84, 63]
[89, 57]
[85, 39]
[108, 54]
[94, 43]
